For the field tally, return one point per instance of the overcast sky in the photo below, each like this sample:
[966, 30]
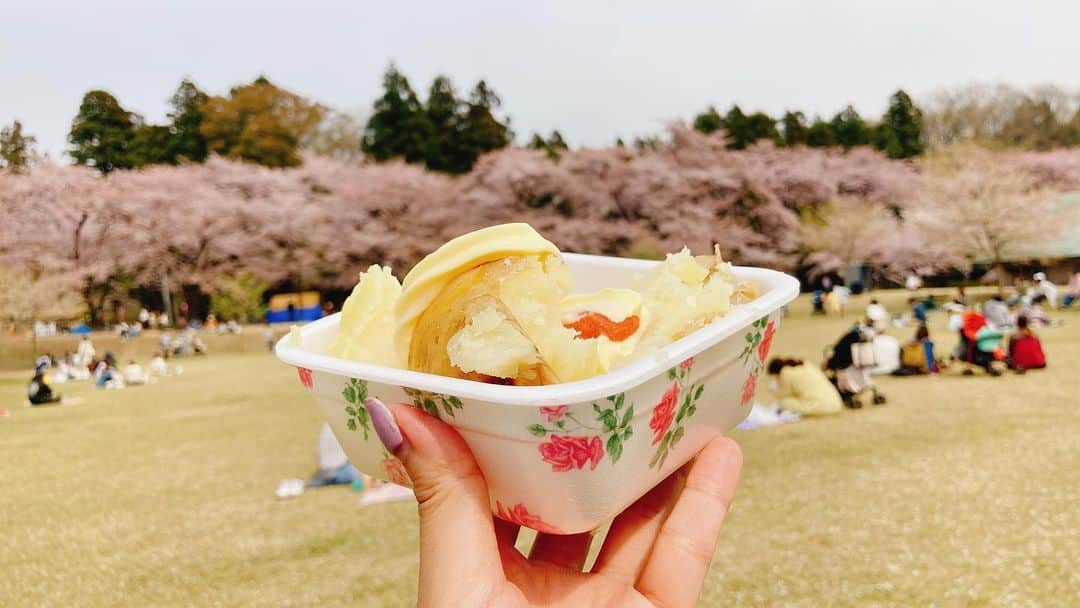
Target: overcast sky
[593, 70]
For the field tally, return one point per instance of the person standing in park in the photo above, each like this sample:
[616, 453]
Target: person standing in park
[85, 353]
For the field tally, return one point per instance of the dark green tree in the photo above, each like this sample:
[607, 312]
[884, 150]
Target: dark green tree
[481, 130]
[736, 128]
[794, 126]
[901, 133]
[150, 146]
[553, 146]
[398, 127]
[186, 141]
[820, 134]
[709, 121]
[760, 125]
[445, 147]
[16, 148]
[850, 129]
[101, 133]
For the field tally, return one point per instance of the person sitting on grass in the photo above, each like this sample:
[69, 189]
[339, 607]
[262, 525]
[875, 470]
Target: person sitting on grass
[134, 374]
[917, 356]
[105, 373]
[1034, 313]
[1072, 290]
[1025, 349]
[997, 312]
[38, 391]
[804, 388]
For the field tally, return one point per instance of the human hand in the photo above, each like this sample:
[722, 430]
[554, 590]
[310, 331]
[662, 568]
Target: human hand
[656, 553]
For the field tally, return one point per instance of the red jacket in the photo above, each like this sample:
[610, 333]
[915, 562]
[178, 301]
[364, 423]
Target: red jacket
[1025, 352]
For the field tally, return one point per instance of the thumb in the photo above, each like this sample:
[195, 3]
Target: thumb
[456, 530]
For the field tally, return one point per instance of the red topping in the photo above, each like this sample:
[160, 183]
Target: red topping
[593, 325]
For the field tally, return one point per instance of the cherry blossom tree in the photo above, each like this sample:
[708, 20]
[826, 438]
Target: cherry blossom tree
[983, 207]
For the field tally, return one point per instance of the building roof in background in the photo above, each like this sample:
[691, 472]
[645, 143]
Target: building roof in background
[1066, 245]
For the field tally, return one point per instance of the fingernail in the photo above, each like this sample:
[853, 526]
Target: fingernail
[383, 421]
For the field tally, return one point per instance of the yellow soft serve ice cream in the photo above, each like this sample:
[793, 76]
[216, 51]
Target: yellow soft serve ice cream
[367, 320]
[496, 305]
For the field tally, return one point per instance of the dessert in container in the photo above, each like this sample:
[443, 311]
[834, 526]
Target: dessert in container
[564, 458]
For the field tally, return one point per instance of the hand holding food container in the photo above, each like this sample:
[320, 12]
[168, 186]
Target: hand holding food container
[578, 382]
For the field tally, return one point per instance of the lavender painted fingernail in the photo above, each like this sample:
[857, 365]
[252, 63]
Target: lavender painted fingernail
[385, 425]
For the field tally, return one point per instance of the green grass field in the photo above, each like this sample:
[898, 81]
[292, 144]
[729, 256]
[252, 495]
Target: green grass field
[960, 491]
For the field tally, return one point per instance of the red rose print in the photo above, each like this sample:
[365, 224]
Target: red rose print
[395, 472]
[305, 377]
[664, 413]
[766, 341]
[748, 389]
[554, 412]
[565, 453]
[518, 514]
[687, 364]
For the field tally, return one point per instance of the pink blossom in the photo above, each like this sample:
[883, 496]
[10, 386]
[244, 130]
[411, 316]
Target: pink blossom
[566, 453]
[554, 412]
[306, 377]
[748, 388]
[664, 413]
[766, 341]
[520, 515]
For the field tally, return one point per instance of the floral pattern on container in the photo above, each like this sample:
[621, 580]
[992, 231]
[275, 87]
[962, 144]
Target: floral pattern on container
[306, 377]
[520, 515]
[434, 403]
[758, 342]
[676, 406]
[356, 416]
[748, 389]
[573, 444]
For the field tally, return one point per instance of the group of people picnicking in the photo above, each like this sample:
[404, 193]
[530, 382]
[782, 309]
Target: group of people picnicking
[996, 335]
[84, 365]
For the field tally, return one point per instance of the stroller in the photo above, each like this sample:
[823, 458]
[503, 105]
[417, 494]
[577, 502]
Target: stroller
[848, 364]
[980, 344]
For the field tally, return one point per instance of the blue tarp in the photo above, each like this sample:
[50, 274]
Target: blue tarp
[311, 313]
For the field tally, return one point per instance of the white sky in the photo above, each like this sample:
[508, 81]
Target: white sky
[594, 70]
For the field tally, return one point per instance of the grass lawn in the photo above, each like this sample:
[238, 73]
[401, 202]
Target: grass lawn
[960, 491]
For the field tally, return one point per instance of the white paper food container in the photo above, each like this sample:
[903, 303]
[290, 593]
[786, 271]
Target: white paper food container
[564, 458]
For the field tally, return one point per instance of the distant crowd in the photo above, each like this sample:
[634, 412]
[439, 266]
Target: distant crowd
[105, 372]
[996, 335]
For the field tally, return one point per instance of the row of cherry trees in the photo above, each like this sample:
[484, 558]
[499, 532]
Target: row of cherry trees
[319, 224]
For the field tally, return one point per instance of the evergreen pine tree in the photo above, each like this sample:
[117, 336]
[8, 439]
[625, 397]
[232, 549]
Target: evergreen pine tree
[398, 127]
[709, 121]
[850, 129]
[794, 125]
[101, 133]
[903, 122]
[445, 149]
[736, 128]
[820, 134]
[481, 130]
[186, 141]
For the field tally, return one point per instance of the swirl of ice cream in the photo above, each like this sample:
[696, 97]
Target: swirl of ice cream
[427, 279]
[366, 329]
